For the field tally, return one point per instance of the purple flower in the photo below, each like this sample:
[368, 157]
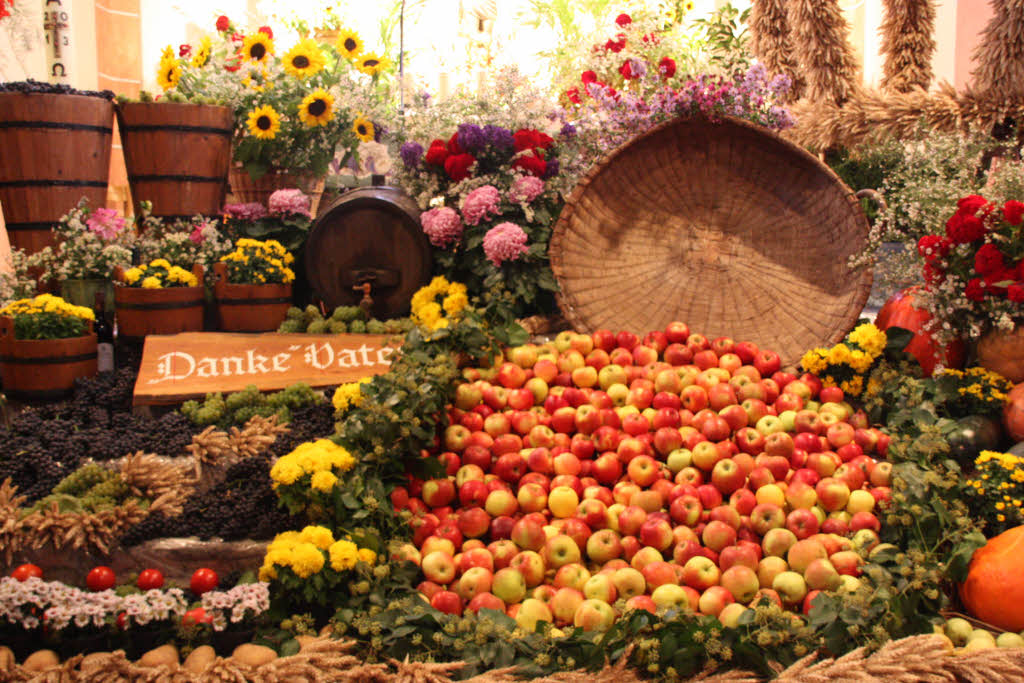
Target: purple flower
[411, 153]
[552, 168]
[525, 189]
[253, 211]
[480, 204]
[780, 84]
[471, 138]
[568, 130]
[504, 242]
[105, 223]
[285, 202]
[442, 226]
[499, 139]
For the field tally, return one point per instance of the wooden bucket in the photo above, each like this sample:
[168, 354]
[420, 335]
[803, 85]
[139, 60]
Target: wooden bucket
[245, 190]
[168, 310]
[54, 150]
[370, 234]
[250, 308]
[43, 369]
[177, 156]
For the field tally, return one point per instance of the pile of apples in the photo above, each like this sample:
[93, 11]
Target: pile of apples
[600, 473]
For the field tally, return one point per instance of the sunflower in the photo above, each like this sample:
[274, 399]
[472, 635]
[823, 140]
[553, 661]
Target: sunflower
[257, 47]
[317, 109]
[169, 74]
[167, 54]
[370, 64]
[304, 60]
[363, 129]
[202, 54]
[349, 44]
[264, 122]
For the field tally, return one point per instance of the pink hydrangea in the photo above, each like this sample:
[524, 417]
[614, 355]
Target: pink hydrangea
[480, 204]
[525, 189]
[442, 225]
[253, 211]
[284, 202]
[105, 223]
[504, 242]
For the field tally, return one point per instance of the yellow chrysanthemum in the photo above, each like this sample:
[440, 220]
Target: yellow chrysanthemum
[869, 338]
[349, 44]
[257, 47]
[202, 53]
[363, 129]
[306, 560]
[264, 122]
[349, 394]
[317, 108]
[366, 555]
[285, 471]
[169, 74]
[838, 354]
[323, 481]
[304, 59]
[344, 555]
[319, 536]
[132, 275]
[151, 282]
[371, 65]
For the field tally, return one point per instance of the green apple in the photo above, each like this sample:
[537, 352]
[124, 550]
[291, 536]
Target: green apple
[1009, 639]
[959, 631]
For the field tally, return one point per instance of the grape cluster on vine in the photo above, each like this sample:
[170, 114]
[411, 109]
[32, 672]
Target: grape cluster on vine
[239, 407]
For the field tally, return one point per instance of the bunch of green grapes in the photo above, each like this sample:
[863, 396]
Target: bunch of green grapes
[88, 489]
[344, 319]
[239, 407]
[210, 412]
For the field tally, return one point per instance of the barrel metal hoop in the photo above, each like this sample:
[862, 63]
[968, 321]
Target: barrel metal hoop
[49, 182]
[175, 178]
[30, 226]
[158, 305]
[47, 360]
[151, 127]
[58, 125]
[254, 302]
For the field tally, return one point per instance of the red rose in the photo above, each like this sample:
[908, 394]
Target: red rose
[265, 30]
[1013, 212]
[223, 23]
[969, 205]
[184, 50]
[453, 144]
[988, 260]
[532, 164]
[612, 93]
[573, 95]
[626, 70]
[928, 247]
[437, 153]
[529, 138]
[974, 290]
[457, 166]
[1015, 292]
[667, 67]
[963, 229]
[616, 45]
[623, 19]
[588, 77]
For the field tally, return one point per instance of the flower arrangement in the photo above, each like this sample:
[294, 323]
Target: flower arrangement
[239, 606]
[92, 242]
[254, 262]
[17, 282]
[996, 490]
[286, 218]
[158, 274]
[437, 304]
[305, 479]
[974, 272]
[315, 565]
[846, 364]
[974, 391]
[154, 607]
[183, 243]
[48, 317]
[290, 105]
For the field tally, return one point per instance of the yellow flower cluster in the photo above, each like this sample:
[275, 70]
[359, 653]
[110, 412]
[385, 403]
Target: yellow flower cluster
[169, 71]
[304, 552]
[981, 384]
[869, 338]
[320, 459]
[255, 262]
[851, 359]
[1002, 475]
[157, 274]
[349, 395]
[46, 303]
[439, 302]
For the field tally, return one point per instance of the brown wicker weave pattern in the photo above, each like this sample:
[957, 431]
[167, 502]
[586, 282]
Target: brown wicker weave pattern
[722, 225]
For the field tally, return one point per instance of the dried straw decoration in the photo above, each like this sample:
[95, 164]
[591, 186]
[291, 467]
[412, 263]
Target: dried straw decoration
[770, 42]
[1000, 52]
[907, 44]
[818, 33]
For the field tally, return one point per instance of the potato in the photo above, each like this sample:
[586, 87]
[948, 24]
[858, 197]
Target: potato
[41, 660]
[253, 655]
[165, 655]
[7, 661]
[200, 659]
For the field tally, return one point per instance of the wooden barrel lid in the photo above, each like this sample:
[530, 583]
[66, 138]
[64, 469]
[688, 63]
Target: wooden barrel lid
[374, 234]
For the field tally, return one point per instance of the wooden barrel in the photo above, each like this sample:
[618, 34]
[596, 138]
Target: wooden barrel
[177, 155]
[370, 234]
[54, 150]
[168, 310]
[43, 369]
[250, 308]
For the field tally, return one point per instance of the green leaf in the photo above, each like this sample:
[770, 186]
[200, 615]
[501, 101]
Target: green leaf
[897, 339]
[289, 647]
[960, 557]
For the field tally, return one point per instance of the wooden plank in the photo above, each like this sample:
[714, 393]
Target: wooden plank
[178, 367]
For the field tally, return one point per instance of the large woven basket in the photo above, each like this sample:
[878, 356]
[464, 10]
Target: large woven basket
[722, 225]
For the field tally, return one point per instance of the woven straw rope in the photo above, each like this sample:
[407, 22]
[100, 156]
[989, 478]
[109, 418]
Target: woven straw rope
[722, 225]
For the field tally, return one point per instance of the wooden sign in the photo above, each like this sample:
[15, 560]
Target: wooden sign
[178, 367]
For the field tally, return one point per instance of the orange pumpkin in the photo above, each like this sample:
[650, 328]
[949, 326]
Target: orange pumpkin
[899, 311]
[1003, 352]
[1013, 413]
[994, 589]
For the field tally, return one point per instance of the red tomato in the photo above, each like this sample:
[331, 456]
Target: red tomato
[203, 580]
[150, 579]
[100, 579]
[122, 620]
[195, 616]
[25, 571]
